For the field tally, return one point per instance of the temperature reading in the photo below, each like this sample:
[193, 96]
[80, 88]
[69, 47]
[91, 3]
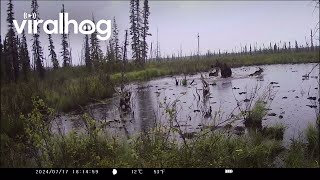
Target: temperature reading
[158, 171]
[137, 171]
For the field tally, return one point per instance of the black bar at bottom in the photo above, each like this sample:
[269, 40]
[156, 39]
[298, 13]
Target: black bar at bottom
[160, 172]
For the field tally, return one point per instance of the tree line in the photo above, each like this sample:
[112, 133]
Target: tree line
[277, 47]
[17, 64]
[253, 49]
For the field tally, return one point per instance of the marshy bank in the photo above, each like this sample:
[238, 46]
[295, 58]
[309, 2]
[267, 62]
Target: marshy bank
[142, 138]
[95, 148]
[290, 100]
[66, 88]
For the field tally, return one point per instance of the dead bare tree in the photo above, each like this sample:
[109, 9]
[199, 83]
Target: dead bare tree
[125, 95]
[316, 6]
[124, 60]
[206, 88]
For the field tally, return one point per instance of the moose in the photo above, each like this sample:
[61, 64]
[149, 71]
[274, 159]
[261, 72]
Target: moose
[257, 73]
[216, 73]
[224, 68]
[125, 101]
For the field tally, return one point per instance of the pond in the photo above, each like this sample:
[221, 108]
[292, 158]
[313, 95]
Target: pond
[293, 101]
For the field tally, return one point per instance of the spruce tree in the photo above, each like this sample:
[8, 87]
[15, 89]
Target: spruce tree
[275, 47]
[108, 54]
[7, 65]
[115, 41]
[135, 30]
[65, 52]
[24, 56]
[124, 60]
[95, 50]
[36, 46]
[124, 56]
[289, 48]
[87, 51]
[2, 63]
[19, 50]
[12, 65]
[52, 53]
[145, 30]
[297, 47]
[270, 47]
[138, 29]
[111, 51]
[285, 46]
[133, 27]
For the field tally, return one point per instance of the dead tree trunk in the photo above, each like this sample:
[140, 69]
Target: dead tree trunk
[125, 95]
[206, 88]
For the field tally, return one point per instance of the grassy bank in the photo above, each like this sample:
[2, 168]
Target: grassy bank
[68, 88]
[96, 149]
[193, 64]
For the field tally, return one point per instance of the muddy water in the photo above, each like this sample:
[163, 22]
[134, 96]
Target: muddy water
[288, 104]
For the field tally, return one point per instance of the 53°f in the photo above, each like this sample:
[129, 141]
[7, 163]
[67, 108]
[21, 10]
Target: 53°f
[158, 171]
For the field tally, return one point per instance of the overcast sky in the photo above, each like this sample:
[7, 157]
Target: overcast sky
[221, 24]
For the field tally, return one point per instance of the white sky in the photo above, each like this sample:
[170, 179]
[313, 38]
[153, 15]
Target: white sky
[222, 24]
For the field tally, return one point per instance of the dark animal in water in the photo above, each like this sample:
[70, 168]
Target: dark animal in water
[177, 82]
[257, 72]
[125, 101]
[216, 73]
[224, 68]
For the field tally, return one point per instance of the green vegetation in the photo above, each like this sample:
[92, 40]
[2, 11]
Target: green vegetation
[189, 65]
[312, 136]
[138, 75]
[39, 147]
[305, 154]
[275, 132]
[184, 81]
[68, 88]
[254, 117]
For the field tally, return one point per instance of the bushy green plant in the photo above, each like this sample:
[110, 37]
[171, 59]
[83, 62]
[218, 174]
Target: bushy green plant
[312, 136]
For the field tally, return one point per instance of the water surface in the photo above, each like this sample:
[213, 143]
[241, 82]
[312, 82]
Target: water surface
[150, 99]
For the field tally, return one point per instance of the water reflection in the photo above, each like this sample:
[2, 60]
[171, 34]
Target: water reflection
[144, 108]
[224, 94]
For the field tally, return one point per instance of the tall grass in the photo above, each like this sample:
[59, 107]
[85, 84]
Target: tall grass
[96, 148]
[193, 64]
[312, 136]
[301, 154]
